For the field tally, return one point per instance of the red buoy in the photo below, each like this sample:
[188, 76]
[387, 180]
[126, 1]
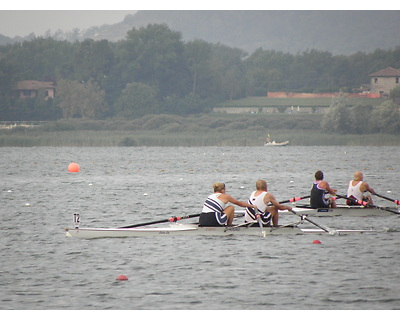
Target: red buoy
[73, 167]
[316, 242]
[122, 277]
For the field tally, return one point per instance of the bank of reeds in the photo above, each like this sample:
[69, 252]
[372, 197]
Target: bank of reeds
[168, 130]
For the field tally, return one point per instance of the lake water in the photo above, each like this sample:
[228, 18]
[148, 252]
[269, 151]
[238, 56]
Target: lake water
[41, 269]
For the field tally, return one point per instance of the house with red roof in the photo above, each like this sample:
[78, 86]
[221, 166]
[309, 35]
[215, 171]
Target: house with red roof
[385, 80]
[33, 88]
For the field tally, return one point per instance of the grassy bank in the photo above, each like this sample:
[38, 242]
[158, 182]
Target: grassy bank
[89, 138]
[167, 130]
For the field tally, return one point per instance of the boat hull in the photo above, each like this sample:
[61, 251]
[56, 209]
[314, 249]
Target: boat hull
[276, 144]
[343, 211]
[348, 211]
[194, 230]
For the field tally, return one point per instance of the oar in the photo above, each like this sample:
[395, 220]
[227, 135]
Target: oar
[354, 200]
[172, 219]
[294, 199]
[261, 225]
[390, 199]
[370, 205]
[246, 224]
[304, 217]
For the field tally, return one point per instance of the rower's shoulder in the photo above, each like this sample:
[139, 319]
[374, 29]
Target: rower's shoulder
[323, 184]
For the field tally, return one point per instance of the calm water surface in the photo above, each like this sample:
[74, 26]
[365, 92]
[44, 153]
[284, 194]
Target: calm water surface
[42, 269]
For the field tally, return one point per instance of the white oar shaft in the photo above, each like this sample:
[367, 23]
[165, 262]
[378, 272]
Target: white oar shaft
[304, 217]
[263, 233]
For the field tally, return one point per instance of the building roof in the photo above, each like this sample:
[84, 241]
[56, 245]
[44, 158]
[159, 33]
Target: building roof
[34, 85]
[388, 72]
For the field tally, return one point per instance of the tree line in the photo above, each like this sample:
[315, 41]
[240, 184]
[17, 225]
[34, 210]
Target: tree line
[344, 118]
[153, 71]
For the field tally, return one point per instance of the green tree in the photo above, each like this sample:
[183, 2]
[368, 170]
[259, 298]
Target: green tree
[39, 59]
[267, 71]
[395, 95]
[155, 55]
[198, 56]
[387, 118]
[359, 119]
[93, 60]
[337, 119]
[81, 99]
[310, 70]
[228, 70]
[7, 78]
[7, 82]
[190, 104]
[137, 100]
[34, 109]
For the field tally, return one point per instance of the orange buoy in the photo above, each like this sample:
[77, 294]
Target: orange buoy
[316, 242]
[122, 277]
[73, 167]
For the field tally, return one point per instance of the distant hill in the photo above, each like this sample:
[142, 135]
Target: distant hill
[338, 32]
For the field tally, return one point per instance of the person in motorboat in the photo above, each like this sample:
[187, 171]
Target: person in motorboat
[356, 190]
[318, 191]
[261, 198]
[215, 210]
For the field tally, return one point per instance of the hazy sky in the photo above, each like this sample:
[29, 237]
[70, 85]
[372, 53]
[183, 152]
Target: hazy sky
[22, 22]
[39, 17]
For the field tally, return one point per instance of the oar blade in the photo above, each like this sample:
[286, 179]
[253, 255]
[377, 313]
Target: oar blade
[397, 202]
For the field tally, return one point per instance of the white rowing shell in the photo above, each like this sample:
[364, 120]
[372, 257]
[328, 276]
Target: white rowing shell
[177, 229]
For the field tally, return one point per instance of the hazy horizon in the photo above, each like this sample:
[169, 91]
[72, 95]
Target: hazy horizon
[24, 22]
[40, 17]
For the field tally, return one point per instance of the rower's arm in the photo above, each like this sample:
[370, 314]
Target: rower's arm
[368, 188]
[329, 189]
[270, 198]
[238, 202]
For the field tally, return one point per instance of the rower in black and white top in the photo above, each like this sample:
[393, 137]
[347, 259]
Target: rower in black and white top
[215, 211]
[261, 198]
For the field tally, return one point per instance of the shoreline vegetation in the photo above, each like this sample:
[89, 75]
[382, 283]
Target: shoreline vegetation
[174, 131]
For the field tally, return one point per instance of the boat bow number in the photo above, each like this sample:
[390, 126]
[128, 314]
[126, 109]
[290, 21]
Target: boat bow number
[77, 220]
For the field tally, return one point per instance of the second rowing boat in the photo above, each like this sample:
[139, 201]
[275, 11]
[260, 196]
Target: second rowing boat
[349, 211]
[178, 229]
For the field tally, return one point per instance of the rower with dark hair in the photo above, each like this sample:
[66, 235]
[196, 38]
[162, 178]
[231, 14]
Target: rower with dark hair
[318, 190]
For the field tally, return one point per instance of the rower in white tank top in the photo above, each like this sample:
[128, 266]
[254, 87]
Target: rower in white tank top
[355, 190]
[251, 214]
[260, 199]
